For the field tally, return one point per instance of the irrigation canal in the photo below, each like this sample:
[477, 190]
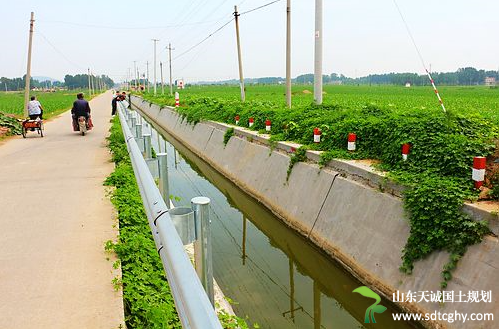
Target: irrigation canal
[276, 277]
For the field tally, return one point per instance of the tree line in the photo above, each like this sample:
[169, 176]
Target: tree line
[79, 81]
[468, 76]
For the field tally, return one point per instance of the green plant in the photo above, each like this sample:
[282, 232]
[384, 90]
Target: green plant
[437, 223]
[227, 135]
[273, 142]
[298, 156]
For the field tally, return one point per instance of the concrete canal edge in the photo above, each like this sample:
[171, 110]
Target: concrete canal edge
[346, 209]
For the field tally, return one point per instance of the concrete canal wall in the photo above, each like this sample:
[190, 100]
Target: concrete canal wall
[346, 209]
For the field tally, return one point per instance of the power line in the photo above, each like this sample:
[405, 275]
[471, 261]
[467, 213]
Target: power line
[421, 58]
[59, 52]
[216, 31]
[129, 27]
[410, 34]
[265, 5]
[207, 37]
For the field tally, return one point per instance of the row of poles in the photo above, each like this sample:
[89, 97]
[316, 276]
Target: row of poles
[318, 59]
[134, 78]
[94, 82]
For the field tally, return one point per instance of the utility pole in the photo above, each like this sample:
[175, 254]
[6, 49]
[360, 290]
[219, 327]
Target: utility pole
[129, 74]
[93, 90]
[138, 78]
[317, 87]
[241, 74]
[28, 67]
[162, 77]
[170, 68]
[148, 76]
[288, 83]
[155, 66]
[135, 70]
[88, 78]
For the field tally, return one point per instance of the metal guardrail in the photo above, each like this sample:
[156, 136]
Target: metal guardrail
[193, 306]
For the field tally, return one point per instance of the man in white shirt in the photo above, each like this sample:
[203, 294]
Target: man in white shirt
[35, 109]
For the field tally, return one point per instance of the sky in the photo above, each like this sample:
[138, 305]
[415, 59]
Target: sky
[360, 37]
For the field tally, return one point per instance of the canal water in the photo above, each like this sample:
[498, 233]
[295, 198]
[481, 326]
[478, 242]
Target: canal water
[275, 277]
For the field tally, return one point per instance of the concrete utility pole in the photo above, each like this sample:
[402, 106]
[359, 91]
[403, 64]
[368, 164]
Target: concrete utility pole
[162, 77]
[170, 68]
[138, 78]
[135, 77]
[148, 76]
[88, 78]
[317, 87]
[241, 74]
[155, 66]
[28, 67]
[93, 90]
[288, 82]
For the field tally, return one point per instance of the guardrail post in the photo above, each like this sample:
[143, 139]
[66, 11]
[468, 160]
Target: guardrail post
[139, 130]
[163, 182]
[132, 123]
[203, 247]
[147, 146]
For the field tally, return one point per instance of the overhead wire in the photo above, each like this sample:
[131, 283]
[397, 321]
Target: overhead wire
[203, 40]
[58, 51]
[129, 27]
[420, 57]
[221, 27]
[257, 8]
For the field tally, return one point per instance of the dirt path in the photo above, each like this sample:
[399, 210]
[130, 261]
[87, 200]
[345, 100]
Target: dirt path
[54, 220]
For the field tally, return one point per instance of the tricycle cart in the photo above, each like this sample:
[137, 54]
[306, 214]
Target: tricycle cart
[32, 125]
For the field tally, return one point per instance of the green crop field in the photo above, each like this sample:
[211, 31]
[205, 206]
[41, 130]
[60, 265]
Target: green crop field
[53, 103]
[437, 173]
[461, 99]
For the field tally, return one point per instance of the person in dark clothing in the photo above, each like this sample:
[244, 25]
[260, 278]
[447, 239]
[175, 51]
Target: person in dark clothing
[80, 108]
[114, 103]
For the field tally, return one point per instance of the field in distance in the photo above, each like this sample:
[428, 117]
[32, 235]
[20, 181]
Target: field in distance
[54, 103]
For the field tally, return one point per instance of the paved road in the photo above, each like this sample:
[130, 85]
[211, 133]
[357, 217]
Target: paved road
[54, 219]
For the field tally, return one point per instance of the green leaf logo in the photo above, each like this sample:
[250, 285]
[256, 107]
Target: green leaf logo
[374, 308]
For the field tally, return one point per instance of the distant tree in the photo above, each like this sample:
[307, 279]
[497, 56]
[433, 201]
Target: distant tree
[305, 78]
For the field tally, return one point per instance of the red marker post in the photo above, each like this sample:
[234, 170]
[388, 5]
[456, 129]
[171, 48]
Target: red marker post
[478, 172]
[237, 119]
[405, 150]
[268, 125]
[316, 135]
[352, 139]
[251, 122]
[176, 95]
